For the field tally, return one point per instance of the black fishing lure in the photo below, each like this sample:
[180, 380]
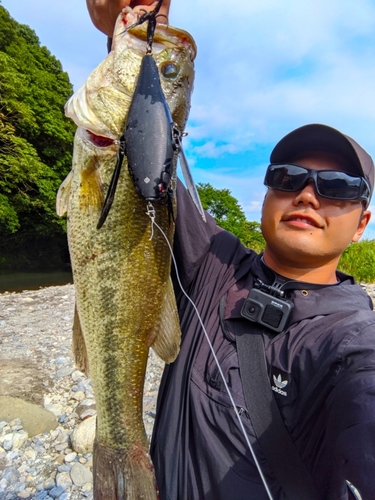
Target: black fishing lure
[150, 139]
[149, 135]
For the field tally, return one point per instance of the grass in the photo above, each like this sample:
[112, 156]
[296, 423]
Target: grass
[359, 261]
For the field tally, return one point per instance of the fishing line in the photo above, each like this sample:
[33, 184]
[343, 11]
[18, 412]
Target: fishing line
[151, 214]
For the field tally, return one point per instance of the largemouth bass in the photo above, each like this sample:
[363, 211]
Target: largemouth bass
[124, 297]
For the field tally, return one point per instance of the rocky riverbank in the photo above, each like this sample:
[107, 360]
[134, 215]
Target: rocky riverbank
[45, 402]
[43, 399]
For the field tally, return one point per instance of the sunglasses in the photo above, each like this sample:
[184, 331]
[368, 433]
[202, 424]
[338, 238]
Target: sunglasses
[331, 184]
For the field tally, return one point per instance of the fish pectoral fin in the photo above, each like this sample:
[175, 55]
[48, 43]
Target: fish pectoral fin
[63, 193]
[91, 194]
[168, 334]
[79, 345]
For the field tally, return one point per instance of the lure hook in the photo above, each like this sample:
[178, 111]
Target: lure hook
[113, 184]
[151, 17]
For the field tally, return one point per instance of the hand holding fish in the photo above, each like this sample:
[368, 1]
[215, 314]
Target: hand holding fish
[104, 13]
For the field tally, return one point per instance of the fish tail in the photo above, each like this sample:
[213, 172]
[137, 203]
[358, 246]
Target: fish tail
[123, 475]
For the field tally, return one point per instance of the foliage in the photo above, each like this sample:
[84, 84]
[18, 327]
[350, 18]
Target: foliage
[35, 141]
[229, 215]
[359, 261]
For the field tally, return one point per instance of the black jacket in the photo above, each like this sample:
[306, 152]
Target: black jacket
[326, 354]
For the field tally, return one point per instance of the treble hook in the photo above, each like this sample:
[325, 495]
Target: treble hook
[151, 18]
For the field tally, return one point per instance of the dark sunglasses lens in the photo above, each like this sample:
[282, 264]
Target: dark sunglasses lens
[285, 177]
[338, 185]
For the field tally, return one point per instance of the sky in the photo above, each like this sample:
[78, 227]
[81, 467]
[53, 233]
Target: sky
[264, 67]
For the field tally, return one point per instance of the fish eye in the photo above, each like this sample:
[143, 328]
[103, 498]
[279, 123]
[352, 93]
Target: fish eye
[170, 70]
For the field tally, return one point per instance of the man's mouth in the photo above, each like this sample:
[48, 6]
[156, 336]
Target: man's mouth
[306, 221]
[302, 221]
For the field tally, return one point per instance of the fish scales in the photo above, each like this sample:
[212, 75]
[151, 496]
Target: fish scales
[124, 296]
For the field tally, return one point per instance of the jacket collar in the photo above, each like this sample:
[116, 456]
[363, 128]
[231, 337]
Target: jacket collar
[310, 300]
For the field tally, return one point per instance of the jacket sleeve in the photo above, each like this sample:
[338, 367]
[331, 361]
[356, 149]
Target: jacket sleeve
[351, 424]
[193, 237]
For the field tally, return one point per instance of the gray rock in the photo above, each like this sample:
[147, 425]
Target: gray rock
[24, 494]
[65, 468]
[70, 457]
[88, 413]
[56, 492]
[63, 480]
[19, 439]
[63, 418]
[42, 495]
[80, 474]
[64, 372]
[61, 446]
[83, 436]
[87, 487]
[16, 424]
[85, 405]
[55, 408]
[11, 475]
[49, 484]
[61, 361]
[13, 455]
[78, 396]
[7, 441]
[77, 376]
[35, 419]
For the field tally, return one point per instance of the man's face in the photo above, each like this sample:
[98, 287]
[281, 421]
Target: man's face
[302, 229]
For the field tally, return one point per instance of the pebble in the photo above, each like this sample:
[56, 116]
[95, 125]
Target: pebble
[46, 466]
[80, 474]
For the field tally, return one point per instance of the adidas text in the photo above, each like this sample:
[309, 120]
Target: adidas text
[279, 391]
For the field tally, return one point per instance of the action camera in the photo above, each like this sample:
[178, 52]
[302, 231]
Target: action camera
[266, 309]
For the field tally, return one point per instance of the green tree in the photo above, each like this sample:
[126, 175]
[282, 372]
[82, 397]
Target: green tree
[229, 215]
[35, 147]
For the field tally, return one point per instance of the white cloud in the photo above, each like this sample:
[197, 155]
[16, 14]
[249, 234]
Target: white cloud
[272, 66]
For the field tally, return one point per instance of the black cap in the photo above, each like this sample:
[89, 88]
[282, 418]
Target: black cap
[318, 137]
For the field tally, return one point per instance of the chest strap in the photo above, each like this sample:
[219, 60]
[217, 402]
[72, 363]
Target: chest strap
[271, 433]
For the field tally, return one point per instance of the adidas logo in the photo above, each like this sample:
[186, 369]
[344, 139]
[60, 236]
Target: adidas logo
[279, 385]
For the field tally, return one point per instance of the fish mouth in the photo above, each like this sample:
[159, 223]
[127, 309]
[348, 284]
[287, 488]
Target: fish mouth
[164, 36]
[102, 103]
[301, 220]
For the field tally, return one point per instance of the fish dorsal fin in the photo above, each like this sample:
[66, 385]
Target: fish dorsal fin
[168, 334]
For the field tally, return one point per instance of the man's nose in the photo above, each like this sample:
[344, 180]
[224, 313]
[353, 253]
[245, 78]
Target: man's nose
[308, 195]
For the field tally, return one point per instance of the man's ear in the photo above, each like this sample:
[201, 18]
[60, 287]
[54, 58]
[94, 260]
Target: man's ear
[364, 220]
[265, 196]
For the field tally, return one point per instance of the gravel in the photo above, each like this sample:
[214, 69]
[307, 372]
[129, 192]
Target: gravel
[36, 365]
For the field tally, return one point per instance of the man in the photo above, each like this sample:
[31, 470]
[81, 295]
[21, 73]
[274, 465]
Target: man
[319, 187]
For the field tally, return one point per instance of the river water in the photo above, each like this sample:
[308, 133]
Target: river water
[19, 281]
